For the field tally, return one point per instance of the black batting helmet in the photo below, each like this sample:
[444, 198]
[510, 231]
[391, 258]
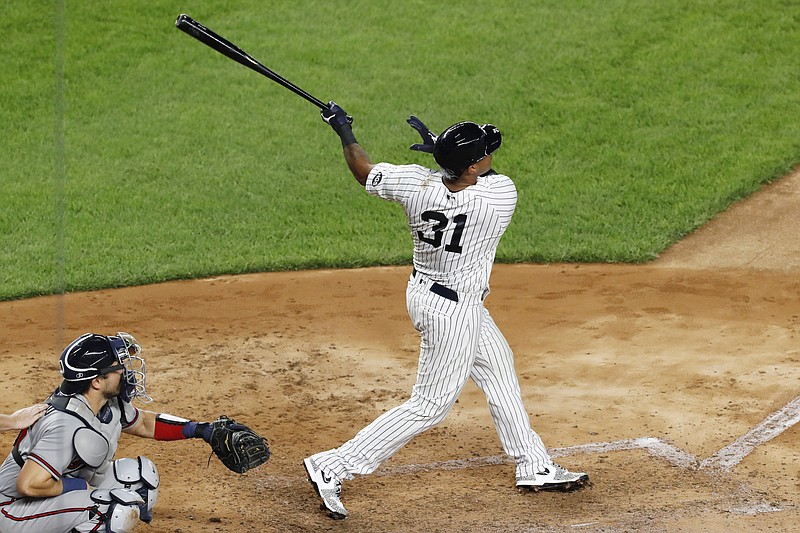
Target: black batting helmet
[464, 144]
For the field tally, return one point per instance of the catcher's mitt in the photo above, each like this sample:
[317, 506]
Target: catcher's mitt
[237, 446]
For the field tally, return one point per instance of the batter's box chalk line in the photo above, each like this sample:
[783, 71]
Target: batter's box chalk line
[771, 427]
[721, 461]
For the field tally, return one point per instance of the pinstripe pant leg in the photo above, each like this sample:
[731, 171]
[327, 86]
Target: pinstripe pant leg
[494, 374]
[449, 341]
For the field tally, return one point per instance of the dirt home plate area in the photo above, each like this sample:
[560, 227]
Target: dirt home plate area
[675, 385]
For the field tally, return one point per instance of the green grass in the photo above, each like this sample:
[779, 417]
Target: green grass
[627, 124]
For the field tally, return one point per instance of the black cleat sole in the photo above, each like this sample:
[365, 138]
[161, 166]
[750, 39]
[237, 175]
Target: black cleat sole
[331, 514]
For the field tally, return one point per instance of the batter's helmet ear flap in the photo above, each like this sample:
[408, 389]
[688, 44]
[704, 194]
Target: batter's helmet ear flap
[458, 147]
[493, 138]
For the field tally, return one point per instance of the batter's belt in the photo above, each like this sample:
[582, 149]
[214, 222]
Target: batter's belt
[450, 294]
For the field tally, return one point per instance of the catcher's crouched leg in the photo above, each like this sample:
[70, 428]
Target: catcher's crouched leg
[139, 476]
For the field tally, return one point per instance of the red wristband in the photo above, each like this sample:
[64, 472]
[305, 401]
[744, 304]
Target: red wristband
[169, 428]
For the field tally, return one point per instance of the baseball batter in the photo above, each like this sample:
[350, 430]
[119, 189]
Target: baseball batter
[61, 476]
[457, 215]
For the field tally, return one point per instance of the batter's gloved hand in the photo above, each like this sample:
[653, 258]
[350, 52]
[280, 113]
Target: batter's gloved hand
[340, 121]
[335, 116]
[237, 446]
[428, 137]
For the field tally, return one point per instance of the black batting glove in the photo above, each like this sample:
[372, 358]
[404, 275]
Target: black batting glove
[335, 116]
[340, 121]
[428, 137]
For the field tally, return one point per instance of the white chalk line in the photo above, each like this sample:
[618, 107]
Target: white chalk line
[725, 459]
[654, 446]
[771, 427]
[721, 461]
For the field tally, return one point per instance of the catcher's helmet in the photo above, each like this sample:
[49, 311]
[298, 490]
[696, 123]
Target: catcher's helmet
[92, 355]
[464, 144]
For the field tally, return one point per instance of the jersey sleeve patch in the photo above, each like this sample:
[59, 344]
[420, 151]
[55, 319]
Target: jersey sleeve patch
[395, 183]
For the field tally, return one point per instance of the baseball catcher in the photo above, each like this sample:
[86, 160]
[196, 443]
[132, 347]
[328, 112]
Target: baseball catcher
[62, 476]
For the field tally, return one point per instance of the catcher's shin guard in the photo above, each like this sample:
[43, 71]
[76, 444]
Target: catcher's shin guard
[140, 476]
[119, 508]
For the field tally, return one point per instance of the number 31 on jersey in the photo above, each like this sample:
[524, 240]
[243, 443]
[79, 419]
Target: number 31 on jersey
[441, 222]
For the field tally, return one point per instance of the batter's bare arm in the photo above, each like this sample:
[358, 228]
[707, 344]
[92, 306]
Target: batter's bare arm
[357, 159]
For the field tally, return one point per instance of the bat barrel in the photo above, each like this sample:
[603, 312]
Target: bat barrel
[208, 37]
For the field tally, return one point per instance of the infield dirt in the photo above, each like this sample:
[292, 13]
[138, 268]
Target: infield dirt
[689, 354]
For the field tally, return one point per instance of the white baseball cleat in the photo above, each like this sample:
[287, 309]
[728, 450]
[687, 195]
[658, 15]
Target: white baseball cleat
[555, 478]
[328, 487]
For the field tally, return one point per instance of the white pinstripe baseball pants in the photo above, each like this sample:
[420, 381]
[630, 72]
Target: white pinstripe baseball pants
[458, 341]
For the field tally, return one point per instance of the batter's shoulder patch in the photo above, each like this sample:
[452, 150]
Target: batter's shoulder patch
[377, 179]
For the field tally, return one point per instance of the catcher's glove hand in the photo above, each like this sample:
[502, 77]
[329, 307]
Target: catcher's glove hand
[237, 446]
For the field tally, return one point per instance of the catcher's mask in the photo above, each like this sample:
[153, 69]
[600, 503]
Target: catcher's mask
[92, 355]
[464, 144]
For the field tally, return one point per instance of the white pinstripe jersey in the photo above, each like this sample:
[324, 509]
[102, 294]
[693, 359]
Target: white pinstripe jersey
[455, 234]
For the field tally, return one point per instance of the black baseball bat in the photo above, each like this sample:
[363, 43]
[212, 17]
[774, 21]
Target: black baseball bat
[206, 36]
